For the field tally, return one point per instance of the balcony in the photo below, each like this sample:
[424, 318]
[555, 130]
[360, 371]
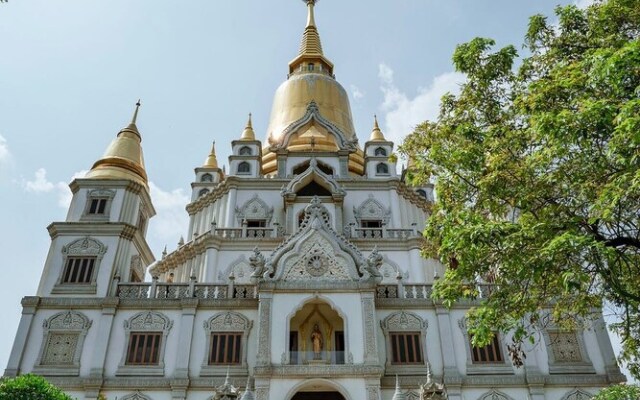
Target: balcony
[310, 358]
[423, 291]
[380, 233]
[176, 291]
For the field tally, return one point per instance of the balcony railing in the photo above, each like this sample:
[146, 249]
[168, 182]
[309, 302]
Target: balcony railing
[248, 233]
[380, 233]
[155, 290]
[309, 357]
[402, 291]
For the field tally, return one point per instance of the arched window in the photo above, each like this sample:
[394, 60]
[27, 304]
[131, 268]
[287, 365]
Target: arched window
[81, 261]
[245, 151]
[310, 66]
[227, 334]
[380, 152]
[206, 178]
[382, 169]
[422, 193]
[146, 334]
[203, 192]
[244, 168]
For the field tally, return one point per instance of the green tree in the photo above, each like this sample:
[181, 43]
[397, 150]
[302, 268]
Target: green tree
[30, 387]
[619, 392]
[537, 175]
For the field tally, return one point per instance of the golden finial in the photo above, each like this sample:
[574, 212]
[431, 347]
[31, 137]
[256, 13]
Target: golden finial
[135, 113]
[376, 133]
[248, 133]
[211, 161]
[310, 19]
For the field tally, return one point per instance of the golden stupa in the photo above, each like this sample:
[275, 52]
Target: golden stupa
[310, 79]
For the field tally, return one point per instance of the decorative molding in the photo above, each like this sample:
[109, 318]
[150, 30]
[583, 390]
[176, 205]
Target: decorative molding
[255, 209]
[372, 209]
[149, 321]
[100, 193]
[312, 174]
[313, 113]
[226, 322]
[264, 332]
[368, 318]
[62, 343]
[404, 321]
[495, 395]
[577, 394]
[241, 270]
[567, 352]
[136, 396]
[505, 367]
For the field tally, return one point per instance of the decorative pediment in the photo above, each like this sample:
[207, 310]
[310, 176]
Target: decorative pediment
[228, 322]
[312, 174]
[495, 395]
[317, 252]
[313, 114]
[148, 321]
[86, 246]
[372, 209]
[68, 320]
[255, 208]
[403, 321]
[239, 269]
[577, 395]
[136, 396]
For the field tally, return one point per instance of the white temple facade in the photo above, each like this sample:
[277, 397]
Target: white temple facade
[300, 278]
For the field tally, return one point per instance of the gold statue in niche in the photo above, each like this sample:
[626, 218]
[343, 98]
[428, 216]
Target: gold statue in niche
[316, 341]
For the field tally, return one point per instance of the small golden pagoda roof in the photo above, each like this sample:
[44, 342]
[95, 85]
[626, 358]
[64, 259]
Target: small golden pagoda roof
[211, 161]
[123, 158]
[376, 133]
[248, 133]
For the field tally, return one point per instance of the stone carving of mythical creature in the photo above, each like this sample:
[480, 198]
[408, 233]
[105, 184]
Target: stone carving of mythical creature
[257, 263]
[374, 261]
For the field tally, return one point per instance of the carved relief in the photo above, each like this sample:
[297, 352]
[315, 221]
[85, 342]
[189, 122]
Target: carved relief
[373, 393]
[577, 395]
[372, 209]
[136, 396]
[228, 322]
[495, 395]
[370, 345]
[565, 347]
[64, 335]
[136, 266]
[255, 208]
[240, 269]
[85, 247]
[264, 332]
[149, 321]
[403, 321]
[316, 259]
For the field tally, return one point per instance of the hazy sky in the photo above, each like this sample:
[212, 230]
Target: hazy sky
[71, 71]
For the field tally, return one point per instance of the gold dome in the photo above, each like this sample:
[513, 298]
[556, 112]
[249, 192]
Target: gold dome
[310, 80]
[123, 158]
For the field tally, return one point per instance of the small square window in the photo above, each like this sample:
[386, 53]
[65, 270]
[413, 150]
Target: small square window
[98, 206]
[225, 348]
[60, 349]
[79, 270]
[144, 348]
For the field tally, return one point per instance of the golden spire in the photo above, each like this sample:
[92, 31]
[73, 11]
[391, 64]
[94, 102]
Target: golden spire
[248, 133]
[310, 46]
[211, 161]
[123, 158]
[376, 133]
[310, 39]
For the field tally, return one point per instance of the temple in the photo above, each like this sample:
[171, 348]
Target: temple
[300, 278]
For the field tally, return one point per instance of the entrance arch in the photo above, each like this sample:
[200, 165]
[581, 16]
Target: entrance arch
[318, 389]
[318, 396]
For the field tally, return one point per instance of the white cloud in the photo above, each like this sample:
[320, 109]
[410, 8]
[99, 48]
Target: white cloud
[401, 112]
[356, 93]
[5, 154]
[40, 184]
[171, 220]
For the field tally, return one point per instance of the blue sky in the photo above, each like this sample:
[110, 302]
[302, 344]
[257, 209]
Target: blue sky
[71, 71]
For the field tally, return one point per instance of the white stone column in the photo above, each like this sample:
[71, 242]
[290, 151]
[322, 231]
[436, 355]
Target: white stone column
[99, 355]
[263, 357]
[452, 377]
[231, 207]
[394, 201]
[186, 335]
[369, 323]
[29, 306]
[608, 355]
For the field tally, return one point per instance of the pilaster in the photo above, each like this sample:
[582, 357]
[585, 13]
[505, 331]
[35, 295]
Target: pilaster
[185, 340]
[29, 306]
[369, 327]
[98, 358]
[264, 329]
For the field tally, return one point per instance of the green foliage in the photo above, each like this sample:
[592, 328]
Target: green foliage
[619, 392]
[30, 387]
[537, 174]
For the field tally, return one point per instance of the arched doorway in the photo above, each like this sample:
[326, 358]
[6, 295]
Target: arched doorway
[318, 396]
